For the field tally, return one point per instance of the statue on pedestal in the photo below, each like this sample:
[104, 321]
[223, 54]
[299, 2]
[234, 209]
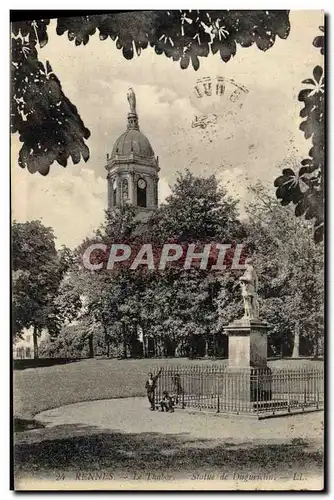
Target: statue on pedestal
[132, 100]
[249, 287]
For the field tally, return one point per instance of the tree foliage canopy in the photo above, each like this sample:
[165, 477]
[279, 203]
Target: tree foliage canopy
[174, 306]
[38, 270]
[291, 272]
[170, 304]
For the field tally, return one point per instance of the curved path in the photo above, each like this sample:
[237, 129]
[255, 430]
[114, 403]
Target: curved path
[124, 437]
[132, 415]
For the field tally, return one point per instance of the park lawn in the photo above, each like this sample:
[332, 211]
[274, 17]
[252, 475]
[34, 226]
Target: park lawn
[44, 388]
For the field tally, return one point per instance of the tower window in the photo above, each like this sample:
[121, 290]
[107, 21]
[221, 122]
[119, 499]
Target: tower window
[142, 193]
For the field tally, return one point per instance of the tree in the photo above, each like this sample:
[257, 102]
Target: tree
[199, 209]
[100, 301]
[50, 126]
[184, 301]
[171, 305]
[185, 310]
[306, 188]
[37, 272]
[73, 308]
[69, 343]
[290, 271]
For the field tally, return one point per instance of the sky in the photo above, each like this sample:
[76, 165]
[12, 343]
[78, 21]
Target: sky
[250, 140]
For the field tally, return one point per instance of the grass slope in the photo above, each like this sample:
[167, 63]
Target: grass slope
[39, 389]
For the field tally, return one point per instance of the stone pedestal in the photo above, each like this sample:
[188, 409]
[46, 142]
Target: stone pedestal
[248, 373]
[247, 346]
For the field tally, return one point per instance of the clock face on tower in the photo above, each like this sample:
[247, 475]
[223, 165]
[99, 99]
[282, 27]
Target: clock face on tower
[141, 183]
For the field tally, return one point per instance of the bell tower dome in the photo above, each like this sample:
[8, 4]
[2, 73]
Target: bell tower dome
[133, 168]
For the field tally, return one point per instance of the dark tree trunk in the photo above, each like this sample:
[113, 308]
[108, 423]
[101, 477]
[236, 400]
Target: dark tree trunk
[90, 346]
[107, 341]
[172, 348]
[206, 353]
[35, 339]
[316, 347]
[124, 343]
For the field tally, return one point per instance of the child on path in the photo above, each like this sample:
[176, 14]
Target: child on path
[167, 402]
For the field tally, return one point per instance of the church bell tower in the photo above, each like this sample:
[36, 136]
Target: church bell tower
[133, 168]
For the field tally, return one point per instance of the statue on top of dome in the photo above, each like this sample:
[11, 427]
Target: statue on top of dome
[132, 100]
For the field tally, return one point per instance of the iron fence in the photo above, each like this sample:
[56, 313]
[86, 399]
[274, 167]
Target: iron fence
[258, 391]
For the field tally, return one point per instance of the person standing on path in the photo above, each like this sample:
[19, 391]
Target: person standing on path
[150, 386]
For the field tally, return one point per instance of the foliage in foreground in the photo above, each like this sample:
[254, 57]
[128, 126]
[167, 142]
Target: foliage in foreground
[50, 126]
[306, 188]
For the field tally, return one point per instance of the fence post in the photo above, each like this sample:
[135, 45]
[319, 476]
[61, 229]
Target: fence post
[257, 391]
[288, 381]
[305, 389]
